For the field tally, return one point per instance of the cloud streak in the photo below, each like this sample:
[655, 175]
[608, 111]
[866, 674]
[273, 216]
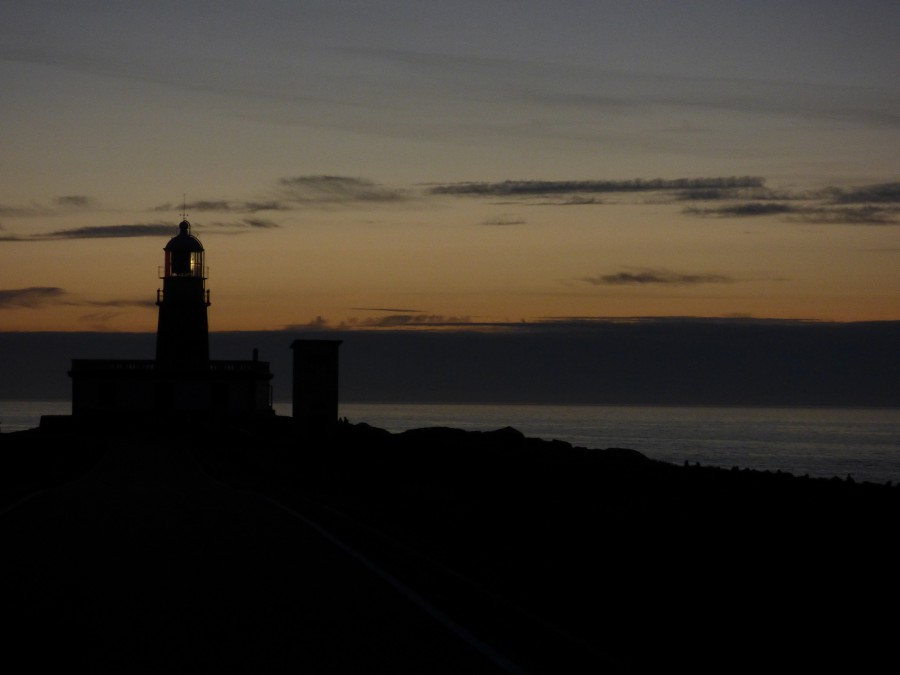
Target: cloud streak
[32, 297]
[24, 211]
[246, 224]
[749, 194]
[411, 320]
[745, 210]
[223, 205]
[387, 309]
[260, 223]
[37, 297]
[295, 192]
[857, 215]
[656, 277]
[714, 197]
[112, 231]
[99, 232]
[66, 203]
[882, 193]
[146, 304]
[75, 202]
[398, 320]
[502, 221]
[823, 215]
[536, 188]
[329, 190]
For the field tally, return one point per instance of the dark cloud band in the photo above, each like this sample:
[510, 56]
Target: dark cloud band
[31, 297]
[36, 297]
[113, 231]
[528, 188]
[882, 193]
[748, 209]
[656, 277]
[323, 189]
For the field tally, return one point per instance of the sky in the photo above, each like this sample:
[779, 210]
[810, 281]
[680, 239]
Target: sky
[375, 164]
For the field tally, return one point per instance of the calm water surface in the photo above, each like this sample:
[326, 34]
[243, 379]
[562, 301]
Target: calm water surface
[863, 443]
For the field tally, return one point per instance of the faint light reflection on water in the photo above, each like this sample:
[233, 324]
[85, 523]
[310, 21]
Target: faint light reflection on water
[864, 443]
[820, 442]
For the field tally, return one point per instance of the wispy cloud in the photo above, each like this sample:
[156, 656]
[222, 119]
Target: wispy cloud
[656, 277]
[630, 93]
[32, 297]
[819, 214]
[147, 304]
[36, 297]
[245, 224]
[75, 202]
[877, 204]
[223, 205]
[125, 231]
[98, 320]
[531, 188]
[296, 192]
[112, 231]
[386, 309]
[549, 324]
[574, 200]
[882, 193]
[11, 211]
[98, 232]
[504, 220]
[859, 215]
[399, 320]
[735, 194]
[319, 323]
[65, 204]
[408, 320]
[328, 190]
[614, 93]
[747, 209]
[261, 223]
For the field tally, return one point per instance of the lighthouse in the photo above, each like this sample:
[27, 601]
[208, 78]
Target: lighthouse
[182, 333]
[181, 384]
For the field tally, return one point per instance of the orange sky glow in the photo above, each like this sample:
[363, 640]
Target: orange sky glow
[344, 171]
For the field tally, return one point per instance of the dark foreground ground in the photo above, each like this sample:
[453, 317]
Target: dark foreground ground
[435, 550]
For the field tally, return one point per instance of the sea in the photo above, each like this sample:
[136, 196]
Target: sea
[860, 443]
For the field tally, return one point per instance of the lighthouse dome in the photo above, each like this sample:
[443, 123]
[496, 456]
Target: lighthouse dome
[184, 241]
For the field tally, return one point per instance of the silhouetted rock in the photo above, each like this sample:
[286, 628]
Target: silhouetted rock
[176, 549]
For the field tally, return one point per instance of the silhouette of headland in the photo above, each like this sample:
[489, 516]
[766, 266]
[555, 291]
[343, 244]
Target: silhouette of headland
[173, 522]
[432, 550]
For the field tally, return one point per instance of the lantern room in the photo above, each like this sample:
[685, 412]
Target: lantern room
[184, 254]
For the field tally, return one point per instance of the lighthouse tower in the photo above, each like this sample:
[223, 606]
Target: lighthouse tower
[182, 334]
[181, 385]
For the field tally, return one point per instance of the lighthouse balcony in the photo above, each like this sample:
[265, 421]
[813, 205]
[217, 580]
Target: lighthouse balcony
[161, 295]
[198, 271]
